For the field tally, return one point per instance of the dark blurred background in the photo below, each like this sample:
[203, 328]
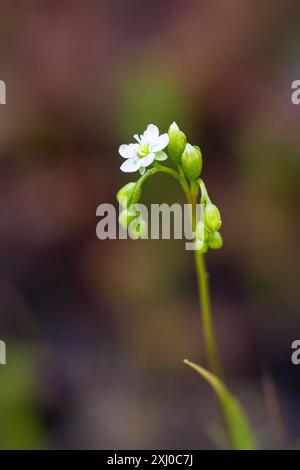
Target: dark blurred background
[96, 331]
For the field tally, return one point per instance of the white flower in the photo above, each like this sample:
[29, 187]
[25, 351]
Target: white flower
[142, 154]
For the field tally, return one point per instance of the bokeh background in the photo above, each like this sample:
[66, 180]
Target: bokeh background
[96, 331]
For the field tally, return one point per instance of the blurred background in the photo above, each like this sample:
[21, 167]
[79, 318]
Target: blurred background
[96, 331]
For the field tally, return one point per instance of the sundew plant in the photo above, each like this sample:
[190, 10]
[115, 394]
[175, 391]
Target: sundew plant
[145, 156]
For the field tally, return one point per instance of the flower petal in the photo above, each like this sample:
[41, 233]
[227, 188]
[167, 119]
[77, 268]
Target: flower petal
[128, 151]
[150, 135]
[160, 143]
[130, 165]
[147, 160]
[160, 156]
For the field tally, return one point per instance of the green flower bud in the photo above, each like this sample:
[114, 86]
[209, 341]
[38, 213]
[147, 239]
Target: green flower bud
[192, 161]
[125, 194]
[126, 217]
[212, 217]
[202, 246]
[138, 229]
[215, 241]
[201, 232]
[177, 143]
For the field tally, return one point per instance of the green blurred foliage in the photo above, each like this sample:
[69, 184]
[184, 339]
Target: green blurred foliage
[20, 426]
[149, 93]
[236, 420]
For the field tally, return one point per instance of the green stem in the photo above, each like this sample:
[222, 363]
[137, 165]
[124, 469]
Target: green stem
[184, 183]
[166, 169]
[206, 313]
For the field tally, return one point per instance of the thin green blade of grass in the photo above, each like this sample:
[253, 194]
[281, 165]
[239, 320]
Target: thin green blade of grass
[237, 424]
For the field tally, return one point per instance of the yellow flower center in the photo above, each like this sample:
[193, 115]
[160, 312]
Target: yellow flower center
[143, 150]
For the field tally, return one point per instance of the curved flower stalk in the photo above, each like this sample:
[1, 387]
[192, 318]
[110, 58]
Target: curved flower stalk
[150, 149]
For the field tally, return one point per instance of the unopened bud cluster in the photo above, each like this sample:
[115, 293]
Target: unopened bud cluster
[130, 218]
[184, 154]
[207, 230]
